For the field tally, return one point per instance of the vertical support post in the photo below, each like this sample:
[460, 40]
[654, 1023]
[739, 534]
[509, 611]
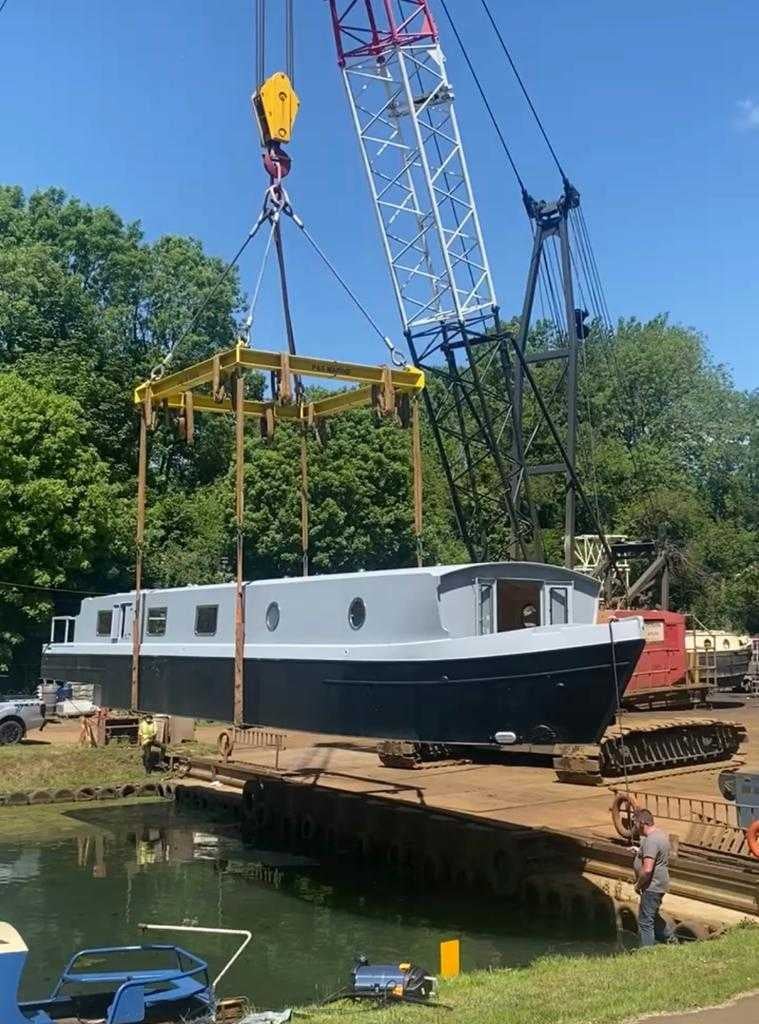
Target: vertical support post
[416, 458]
[142, 470]
[304, 498]
[239, 519]
[665, 588]
[570, 506]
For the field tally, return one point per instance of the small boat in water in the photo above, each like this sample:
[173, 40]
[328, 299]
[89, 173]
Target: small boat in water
[165, 984]
[502, 652]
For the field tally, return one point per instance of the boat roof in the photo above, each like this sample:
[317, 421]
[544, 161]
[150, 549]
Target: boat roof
[435, 571]
[10, 940]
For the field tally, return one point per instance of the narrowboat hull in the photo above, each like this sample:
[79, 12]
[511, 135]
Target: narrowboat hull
[561, 694]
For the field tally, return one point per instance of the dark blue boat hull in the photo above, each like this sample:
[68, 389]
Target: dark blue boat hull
[564, 696]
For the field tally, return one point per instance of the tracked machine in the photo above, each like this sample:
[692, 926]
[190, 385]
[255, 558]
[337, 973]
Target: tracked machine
[503, 411]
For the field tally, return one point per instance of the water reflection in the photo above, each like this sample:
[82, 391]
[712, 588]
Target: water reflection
[156, 863]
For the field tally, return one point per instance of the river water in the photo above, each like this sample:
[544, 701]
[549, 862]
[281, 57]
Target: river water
[154, 862]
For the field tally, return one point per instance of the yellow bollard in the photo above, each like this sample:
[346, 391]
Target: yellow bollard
[450, 958]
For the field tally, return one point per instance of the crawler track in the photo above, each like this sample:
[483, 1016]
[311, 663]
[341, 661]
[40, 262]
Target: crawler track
[659, 746]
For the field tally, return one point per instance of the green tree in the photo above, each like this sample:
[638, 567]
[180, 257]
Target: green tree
[58, 510]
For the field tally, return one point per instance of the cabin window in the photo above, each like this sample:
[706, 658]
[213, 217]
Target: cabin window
[105, 621]
[156, 624]
[272, 616]
[357, 613]
[558, 605]
[206, 617]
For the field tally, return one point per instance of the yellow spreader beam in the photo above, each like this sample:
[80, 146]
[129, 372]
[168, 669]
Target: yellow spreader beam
[173, 389]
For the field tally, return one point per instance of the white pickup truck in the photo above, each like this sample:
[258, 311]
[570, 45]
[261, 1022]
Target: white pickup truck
[17, 716]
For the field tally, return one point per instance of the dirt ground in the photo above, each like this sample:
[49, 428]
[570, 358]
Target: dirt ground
[526, 794]
[523, 793]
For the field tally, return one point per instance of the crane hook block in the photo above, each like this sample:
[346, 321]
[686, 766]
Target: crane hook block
[275, 107]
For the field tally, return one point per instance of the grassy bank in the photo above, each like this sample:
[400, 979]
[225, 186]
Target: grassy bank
[27, 766]
[584, 990]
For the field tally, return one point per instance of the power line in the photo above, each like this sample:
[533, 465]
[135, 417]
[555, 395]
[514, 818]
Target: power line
[2, 6]
[7, 585]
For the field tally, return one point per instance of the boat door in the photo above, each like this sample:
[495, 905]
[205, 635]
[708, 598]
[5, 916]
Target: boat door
[486, 606]
[121, 622]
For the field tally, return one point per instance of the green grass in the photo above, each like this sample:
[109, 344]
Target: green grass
[583, 989]
[27, 766]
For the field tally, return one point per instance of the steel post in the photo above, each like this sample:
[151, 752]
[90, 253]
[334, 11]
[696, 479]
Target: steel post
[142, 470]
[239, 670]
[570, 505]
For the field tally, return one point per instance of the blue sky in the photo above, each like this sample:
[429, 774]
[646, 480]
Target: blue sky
[653, 107]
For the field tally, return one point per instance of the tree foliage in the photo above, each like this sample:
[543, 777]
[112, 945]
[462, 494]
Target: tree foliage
[668, 445]
[58, 509]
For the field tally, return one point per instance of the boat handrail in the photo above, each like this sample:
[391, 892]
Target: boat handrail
[202, 930]
[69, 976]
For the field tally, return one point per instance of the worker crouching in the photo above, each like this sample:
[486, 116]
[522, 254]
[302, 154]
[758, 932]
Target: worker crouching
[150, 748]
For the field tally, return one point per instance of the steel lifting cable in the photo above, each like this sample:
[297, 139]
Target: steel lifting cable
[248, 322]
[397, 357]
[260, 41]
[158, 371]
[289, 41]
[618, 697]
[483, 97]
[522, 86]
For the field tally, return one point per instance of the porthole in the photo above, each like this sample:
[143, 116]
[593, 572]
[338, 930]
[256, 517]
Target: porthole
[357, 613]
[272, 616]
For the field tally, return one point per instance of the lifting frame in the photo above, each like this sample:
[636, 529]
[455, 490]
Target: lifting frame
[386, 389]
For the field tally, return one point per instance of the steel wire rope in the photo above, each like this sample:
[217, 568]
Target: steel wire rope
[586, 235]
[588, 405]
[483, 97]
[618, 696]
[248, 322]
[586, 255]
[289, 41]
[522, 86]
[158, 370]
[397, 357]
[2, 6]
[583, 271]
[593, 274]
[259, 29]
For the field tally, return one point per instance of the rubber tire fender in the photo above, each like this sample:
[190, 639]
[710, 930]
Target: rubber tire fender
[225, 744]
[40, 796]
[623, 807]
[752, 838]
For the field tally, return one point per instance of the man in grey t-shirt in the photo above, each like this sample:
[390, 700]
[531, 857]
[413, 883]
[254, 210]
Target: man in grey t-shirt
[651, 879]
